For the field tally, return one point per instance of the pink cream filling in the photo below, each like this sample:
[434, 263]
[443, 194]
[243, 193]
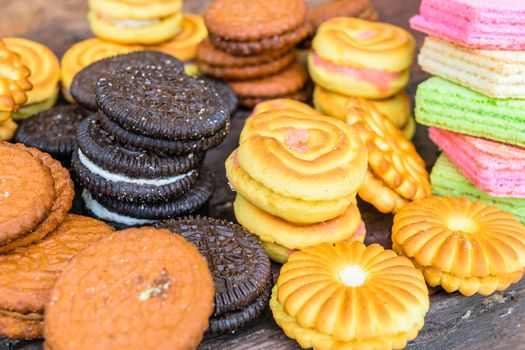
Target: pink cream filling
[296, 138]
[380, 78]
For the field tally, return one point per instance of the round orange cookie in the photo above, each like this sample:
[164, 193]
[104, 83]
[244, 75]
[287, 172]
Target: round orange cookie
[64, 193]
[461, 245]
[147, 289]
[14, 80]
[396, 172]
[280, 104]
[349, 296]
[29, 272]
[27, 193]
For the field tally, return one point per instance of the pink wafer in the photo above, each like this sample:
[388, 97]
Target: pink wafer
[493, 167]
[480, 24]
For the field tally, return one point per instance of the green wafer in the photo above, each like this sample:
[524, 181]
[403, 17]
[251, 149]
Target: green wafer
[447, 180]
[446, 105]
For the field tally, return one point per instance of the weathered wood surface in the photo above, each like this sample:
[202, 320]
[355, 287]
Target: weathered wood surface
[454, 321]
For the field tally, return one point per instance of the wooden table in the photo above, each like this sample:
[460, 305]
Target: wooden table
[454, 321]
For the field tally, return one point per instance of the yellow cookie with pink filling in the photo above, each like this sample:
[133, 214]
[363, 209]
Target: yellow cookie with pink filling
[461, 245]
[303, 168]
[349, 296]
[356, 57]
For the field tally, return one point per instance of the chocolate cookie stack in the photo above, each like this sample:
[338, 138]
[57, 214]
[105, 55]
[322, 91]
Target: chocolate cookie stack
[139, 157]
[251, 46]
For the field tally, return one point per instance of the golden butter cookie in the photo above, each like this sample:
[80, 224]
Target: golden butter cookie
[392, 159]
[29, 272]
[64, 194]
[27, 193]
[350, 296]
[461, 245]
[8, 129]
[280, 104]
[147, 288]
[14, 80]
[45, 75]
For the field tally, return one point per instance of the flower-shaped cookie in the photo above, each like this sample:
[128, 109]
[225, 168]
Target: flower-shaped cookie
[393, 161]
[461, 245]
[14, 80]
[349, 296]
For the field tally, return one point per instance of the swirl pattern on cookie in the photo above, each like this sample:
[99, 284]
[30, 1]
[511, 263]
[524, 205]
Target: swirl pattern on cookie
[14, 80]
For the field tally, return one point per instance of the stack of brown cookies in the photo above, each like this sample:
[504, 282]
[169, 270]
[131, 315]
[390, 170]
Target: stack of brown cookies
[37, 236]
[251, 46]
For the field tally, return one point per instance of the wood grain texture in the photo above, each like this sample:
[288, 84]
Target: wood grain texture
[454, 321]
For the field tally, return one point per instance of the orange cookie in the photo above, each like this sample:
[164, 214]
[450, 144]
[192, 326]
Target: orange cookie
[63, 191]
[27, 193]
[14, 80]
[147, 289]
[349, 296]
[393, 161]
[461, 245]
[29, 272]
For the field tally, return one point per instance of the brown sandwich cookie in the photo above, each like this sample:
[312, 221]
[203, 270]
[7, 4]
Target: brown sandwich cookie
[222, 65]
[147, 289]
[29, 272]
[289, 83]
[252, 26]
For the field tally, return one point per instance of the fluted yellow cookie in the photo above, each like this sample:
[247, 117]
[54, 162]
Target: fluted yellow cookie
[302, 168]
[278, 235]
[45, 75]
[280, 104]
[355, 57]
[349, 296]
[8, 129]
[396, 108]
[392, 160]
[84, 53]
[14, 80]
[135, 21]
[461, 245]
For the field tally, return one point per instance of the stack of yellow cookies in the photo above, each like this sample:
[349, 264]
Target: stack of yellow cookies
[296, 174]
[182, 45]
[353, 58]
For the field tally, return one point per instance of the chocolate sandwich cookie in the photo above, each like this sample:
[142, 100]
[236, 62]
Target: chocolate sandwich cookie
[251, 27]
[240, 268]
[83, 86]
[225, 93]
[52, 131]
[160, 103]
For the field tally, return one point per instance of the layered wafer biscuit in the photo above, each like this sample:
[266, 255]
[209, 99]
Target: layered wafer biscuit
[450, 106]
[447, 180]
[495, 73]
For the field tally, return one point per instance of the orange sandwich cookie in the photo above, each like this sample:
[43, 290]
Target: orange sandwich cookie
[146, 288]
[350, 296]
[280, 104]
[396, 108]
[355, 57]
[83, 54]
[396, 172]
[184, 45]
[461, 245]
[29, 272]
[45, 75]
[281, 238]
[36, 194]
[135, 21]
[302, 168]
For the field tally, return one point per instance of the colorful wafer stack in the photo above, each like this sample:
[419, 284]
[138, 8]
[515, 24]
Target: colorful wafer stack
[475, 102]
[354, 58]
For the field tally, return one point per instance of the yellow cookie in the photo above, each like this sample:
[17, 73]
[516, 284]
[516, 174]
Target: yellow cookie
[84, 53]
[349, 296]
[135, 22]
[14, 80]
[461, 245]
[272, 229]
[45, 75]
[355, 57]
[7, 130]
[392, 159]
[280, 104]
[184, 45]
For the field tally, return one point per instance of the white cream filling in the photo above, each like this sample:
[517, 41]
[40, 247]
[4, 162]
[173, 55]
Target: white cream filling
[122, 178]
[131, 23]
[352, 276]
[105, 214]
